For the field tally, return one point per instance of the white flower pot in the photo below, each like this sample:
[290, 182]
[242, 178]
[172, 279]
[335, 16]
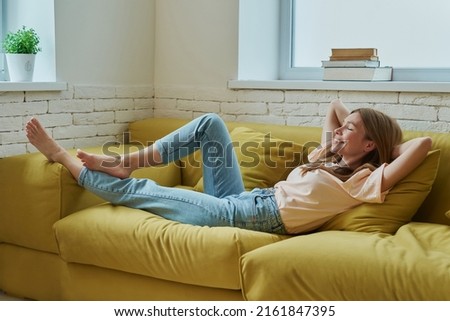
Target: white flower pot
[20, 67]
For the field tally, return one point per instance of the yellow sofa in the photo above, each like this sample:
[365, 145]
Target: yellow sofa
[59, 242]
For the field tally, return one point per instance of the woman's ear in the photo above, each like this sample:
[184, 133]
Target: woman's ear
[369, 146]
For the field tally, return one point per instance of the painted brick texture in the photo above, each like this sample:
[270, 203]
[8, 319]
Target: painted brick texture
[414, 111]
[79, 117]
[92, 115]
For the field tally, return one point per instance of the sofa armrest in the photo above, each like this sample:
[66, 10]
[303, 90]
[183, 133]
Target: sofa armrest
[338, 265]
[34, 194]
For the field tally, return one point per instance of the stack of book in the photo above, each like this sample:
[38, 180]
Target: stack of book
[355, 64]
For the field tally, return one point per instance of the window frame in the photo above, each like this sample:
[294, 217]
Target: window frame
[47, 82]
[288, 72]
[2, 55]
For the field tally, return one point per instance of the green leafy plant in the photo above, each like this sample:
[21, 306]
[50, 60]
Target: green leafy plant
[23, 41]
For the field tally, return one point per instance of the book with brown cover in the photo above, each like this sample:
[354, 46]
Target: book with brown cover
[372, 58]
[338, 54]
[353, 52]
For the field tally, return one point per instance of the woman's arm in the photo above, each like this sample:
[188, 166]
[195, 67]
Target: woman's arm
[336, 114]
[407, 156]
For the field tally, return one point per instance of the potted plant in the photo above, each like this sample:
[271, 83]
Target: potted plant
[20, 50]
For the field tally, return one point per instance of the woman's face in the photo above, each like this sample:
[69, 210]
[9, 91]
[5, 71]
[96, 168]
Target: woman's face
[350, 140]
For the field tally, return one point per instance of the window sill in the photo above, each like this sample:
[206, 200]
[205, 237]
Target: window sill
[397, 86]
[32, 86]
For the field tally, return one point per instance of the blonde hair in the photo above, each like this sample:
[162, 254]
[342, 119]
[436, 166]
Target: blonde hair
[379, 128]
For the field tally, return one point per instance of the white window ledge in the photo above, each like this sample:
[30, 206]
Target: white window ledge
[398, 86]
[32, 86]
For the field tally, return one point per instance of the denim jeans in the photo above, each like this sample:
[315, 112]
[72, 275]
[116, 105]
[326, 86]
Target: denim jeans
[224, 201]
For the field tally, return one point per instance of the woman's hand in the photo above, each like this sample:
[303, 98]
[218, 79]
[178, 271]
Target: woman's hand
[336, 114]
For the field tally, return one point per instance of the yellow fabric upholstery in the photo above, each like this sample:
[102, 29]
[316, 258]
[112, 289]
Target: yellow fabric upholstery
[146, 132]
[32, 200]
[102, 252]
[264, 160]
[48, 192]
[138, 242]
[87, 282]
[437, 202]
[149, 130]
[400, 204]
[414, 264]
[29, 273]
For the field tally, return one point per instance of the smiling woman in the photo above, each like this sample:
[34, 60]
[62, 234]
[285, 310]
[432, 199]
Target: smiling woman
[367, 138]
[308, 198]
[353, 141]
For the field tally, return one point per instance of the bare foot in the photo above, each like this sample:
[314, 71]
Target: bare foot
[103, 163]
[39, 138]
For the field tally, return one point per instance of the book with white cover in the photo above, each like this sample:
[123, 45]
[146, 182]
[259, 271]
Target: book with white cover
[358, 74]
[350, 63]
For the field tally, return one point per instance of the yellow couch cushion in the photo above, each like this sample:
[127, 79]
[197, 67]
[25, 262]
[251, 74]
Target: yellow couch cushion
[432, 209]
[414, 264]
[38, 194]
[264, 160]
[400, 204]
[27, 273]
[148, 130]
[135, 241]
[437, 202]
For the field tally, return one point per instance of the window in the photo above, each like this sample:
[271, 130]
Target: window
[410, 36]
[39, 15]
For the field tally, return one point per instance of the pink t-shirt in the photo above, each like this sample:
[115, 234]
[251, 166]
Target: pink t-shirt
[308, 201]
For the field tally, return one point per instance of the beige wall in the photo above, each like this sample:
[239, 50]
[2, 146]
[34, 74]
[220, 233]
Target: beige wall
[107, 42]
[196, 42]
[161, 42]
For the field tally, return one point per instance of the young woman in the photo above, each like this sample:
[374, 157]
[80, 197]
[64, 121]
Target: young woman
[361, 159]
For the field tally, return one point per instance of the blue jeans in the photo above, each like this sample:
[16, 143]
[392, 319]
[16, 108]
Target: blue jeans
[224, 201]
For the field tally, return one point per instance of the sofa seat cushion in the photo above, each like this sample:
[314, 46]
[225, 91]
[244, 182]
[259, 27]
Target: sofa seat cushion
[139, 242]
[413, 264]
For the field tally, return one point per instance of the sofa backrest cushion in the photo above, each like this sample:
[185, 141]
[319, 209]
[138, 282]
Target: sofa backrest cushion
[438, 201]
[147, 131]
[400, 205]
[432, 209]
[264, 159]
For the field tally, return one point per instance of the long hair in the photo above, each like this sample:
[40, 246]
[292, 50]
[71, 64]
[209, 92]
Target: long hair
[379, 128]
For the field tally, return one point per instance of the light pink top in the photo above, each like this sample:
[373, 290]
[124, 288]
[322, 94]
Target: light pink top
[308, 201]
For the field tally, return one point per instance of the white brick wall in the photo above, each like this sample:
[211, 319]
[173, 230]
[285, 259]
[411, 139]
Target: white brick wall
[78, 117]
[92, 115]
[414, 111]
